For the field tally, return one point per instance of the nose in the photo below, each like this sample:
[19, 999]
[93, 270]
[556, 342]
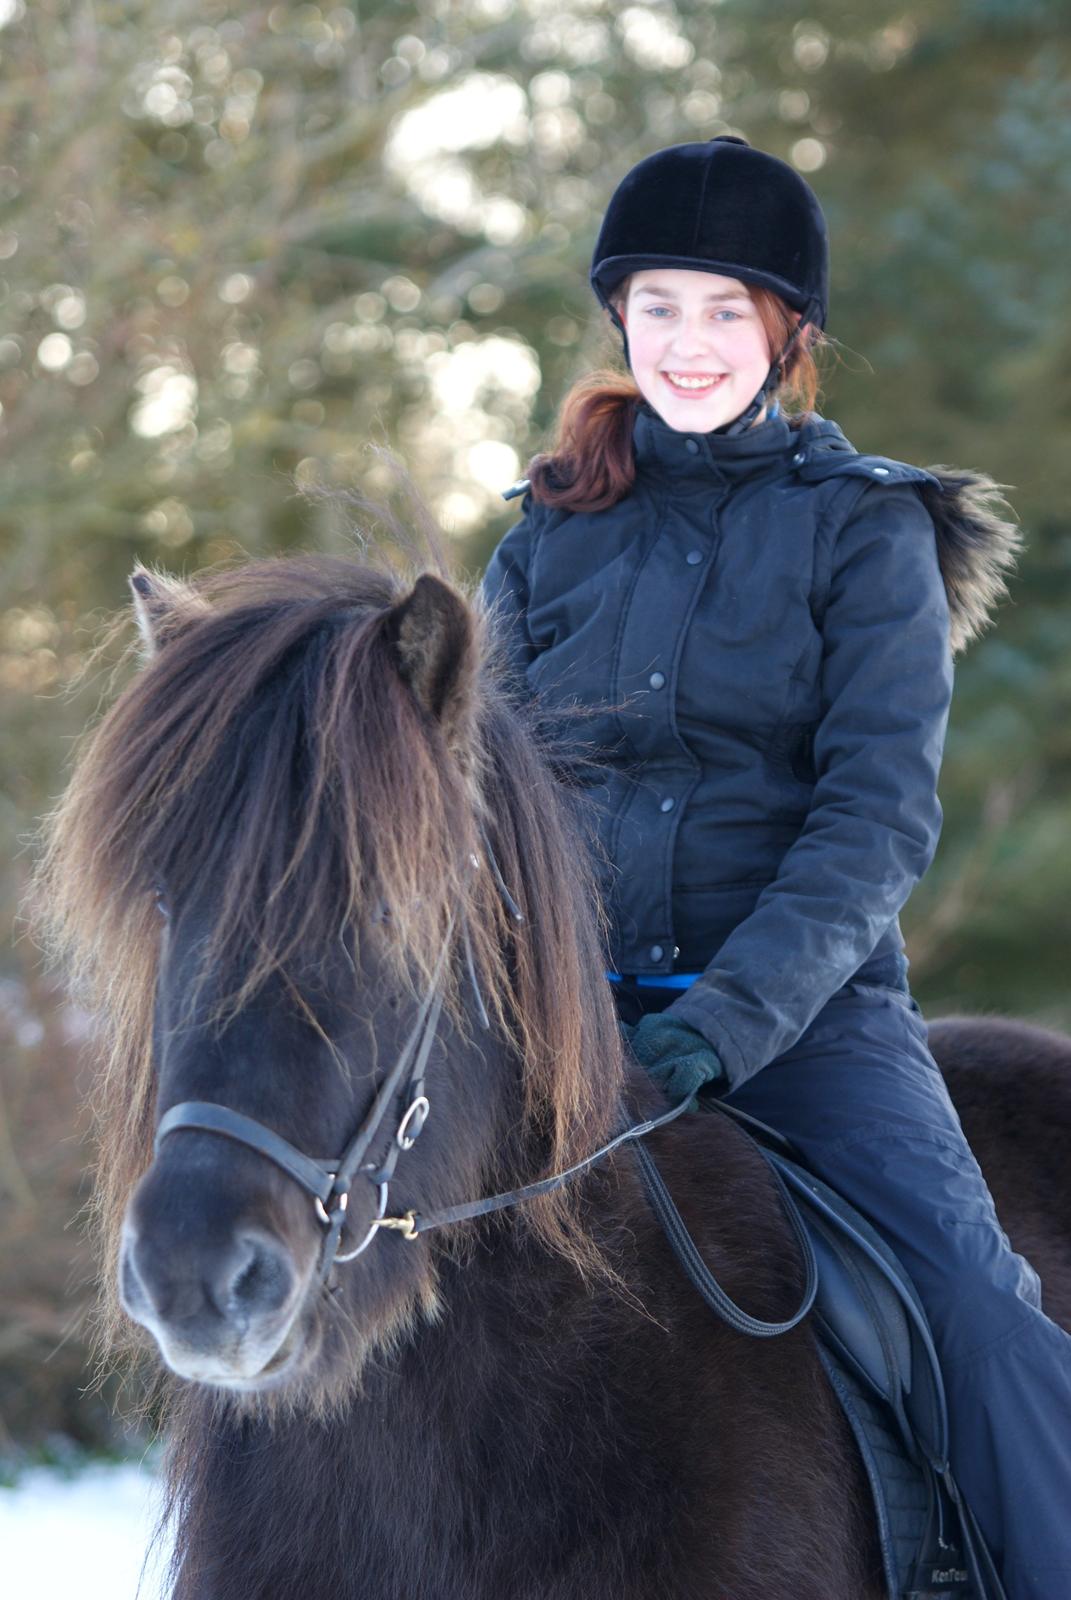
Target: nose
[210, 1288]
[694, 338]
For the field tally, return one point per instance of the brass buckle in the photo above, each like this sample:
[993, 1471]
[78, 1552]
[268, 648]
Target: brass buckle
[406, 1225]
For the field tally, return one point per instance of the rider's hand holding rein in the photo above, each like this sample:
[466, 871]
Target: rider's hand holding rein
[677, 1058]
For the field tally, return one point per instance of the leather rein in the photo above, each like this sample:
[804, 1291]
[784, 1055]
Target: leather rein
[329, 1182]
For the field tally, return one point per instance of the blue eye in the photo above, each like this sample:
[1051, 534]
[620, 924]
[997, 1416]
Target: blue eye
[656, 312]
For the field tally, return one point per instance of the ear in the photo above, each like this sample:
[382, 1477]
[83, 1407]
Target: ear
[163, 606]
[434, 639]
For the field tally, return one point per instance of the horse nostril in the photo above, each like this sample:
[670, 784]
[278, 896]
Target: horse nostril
[257, 1277]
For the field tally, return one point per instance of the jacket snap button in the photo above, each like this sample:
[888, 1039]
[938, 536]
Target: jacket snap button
[692, 446]
[656, 952]
[799, 458]
[667, 804]
[657, 680]
[694, 557]
[881, 472]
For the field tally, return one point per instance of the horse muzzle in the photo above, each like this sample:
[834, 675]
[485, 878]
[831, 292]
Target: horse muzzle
[225, 1311]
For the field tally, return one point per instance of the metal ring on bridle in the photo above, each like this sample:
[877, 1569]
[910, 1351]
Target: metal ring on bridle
[374, 1229]
[418, 1113]
[321, 1209]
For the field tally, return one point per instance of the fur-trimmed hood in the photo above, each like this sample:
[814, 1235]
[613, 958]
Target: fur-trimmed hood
[978, 539]
[977, 545]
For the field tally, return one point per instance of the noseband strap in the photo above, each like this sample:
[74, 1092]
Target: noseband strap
[318, 1177]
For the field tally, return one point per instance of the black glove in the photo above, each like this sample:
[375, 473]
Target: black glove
[676, 1056]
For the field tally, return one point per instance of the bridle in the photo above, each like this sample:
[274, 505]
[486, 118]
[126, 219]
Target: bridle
[329, 1182]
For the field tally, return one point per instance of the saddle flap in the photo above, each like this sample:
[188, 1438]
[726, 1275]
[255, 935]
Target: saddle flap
[868, 1286]
[862, 1317]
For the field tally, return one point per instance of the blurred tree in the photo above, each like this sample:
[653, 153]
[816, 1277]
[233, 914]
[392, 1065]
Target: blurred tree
[239, 241]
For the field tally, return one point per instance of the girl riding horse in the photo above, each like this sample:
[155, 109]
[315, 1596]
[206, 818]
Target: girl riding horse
[759, 624]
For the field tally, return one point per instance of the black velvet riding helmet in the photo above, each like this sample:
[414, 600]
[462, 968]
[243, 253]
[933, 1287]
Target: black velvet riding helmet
[723, 207]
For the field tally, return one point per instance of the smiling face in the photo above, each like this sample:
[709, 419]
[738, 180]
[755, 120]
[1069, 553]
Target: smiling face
[697, 346]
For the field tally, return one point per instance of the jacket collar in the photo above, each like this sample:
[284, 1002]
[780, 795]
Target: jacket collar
[718, 457]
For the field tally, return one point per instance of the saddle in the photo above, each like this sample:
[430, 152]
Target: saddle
[875, 1344]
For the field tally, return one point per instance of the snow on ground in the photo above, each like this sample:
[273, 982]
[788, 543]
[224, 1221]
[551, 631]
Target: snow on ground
[82, 1535]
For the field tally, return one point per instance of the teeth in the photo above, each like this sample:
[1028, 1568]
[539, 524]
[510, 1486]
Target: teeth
[691, 383]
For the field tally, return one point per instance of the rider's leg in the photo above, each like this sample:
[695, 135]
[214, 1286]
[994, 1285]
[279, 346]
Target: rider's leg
[864, 1101]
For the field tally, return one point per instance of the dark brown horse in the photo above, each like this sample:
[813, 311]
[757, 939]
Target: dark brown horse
[311, 812]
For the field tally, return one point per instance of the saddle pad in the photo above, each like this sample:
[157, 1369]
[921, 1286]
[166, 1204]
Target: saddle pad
[904, 1493]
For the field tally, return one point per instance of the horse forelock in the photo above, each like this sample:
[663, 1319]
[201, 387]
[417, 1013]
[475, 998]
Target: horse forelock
[273, 745]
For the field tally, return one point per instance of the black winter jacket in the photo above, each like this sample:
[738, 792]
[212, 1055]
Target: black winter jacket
[761, 637]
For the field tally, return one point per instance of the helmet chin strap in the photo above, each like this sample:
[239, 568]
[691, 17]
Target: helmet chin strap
[772, 382]
[748, 417]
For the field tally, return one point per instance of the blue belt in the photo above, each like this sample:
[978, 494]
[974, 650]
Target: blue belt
[672, 980]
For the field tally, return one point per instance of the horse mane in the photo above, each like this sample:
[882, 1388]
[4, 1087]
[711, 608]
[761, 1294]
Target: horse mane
[273, 743]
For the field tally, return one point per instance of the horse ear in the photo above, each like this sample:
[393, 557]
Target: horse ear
[434, 638]
[163, 606]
